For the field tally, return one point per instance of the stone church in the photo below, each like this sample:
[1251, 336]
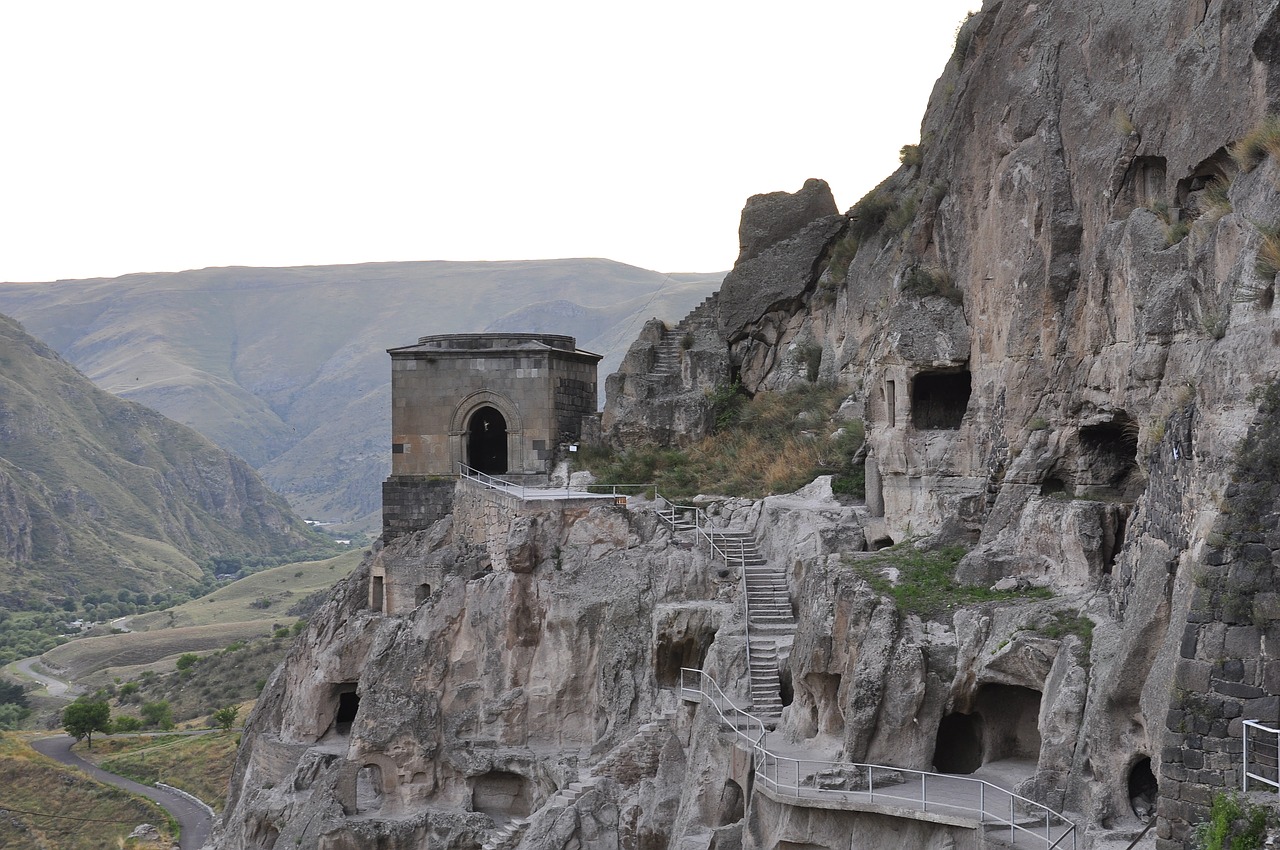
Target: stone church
[498, 403]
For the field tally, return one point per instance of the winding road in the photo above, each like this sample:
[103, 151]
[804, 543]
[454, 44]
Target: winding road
[194, 820]
[55, 687]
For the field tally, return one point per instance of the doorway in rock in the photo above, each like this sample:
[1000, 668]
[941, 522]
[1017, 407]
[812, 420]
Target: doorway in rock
[959, 746]
[1143, 789]
[487, 442]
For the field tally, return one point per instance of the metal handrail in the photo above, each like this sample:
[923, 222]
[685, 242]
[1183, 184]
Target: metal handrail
[491, 481]
[706, 687]
[1270, 762]
[770, 772]
[710, 534]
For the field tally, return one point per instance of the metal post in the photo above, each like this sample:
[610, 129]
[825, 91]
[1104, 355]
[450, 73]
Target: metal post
[1244, 773]
[1013, 836]
[982, 803]
[924, 798]
[871, 788]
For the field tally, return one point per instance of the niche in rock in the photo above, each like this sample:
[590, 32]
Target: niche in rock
[500, 793]
[376, 593]
[732, 808]
[421, 594]
[1108, 459]
[959, 745]
[369, 788]
[1143, 788]
[674, 651]
[1011, 719]
[346, 704]
[1144, 184]
[939, 400]
[1219, 169]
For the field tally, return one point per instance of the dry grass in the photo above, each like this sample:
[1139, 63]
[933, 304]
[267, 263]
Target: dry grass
[235, 603]
[1259, 143]
[198, 764]
[34, 783]
[772, 443]
[89, 655]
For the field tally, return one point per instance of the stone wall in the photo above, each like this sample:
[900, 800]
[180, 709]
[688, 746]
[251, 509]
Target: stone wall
[413, 502]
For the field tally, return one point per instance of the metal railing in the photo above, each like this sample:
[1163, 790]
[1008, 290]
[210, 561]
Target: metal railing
[747, 726]
[493, 482]
[1261, 755]
[853, 783]
[709, 533]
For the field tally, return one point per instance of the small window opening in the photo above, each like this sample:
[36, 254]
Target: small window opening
[1143, 789]
[422, 594]
[376, 594]
[939, 400]
[786, 691]
[891, 403]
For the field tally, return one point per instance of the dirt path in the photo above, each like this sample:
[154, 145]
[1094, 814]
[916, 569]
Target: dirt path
[194, 819]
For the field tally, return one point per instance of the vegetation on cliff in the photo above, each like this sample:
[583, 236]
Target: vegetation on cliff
[768, 443]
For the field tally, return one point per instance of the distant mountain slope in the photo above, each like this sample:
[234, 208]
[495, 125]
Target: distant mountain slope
[98, 493]
[288, 367]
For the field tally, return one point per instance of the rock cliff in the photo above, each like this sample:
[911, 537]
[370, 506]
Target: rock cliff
[1058, 320]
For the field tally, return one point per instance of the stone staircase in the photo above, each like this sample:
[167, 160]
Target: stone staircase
[770, 622]
[636, 758]
[667, 354]
[627, 764]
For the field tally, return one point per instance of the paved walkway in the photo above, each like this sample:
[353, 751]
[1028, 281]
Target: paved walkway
[194, 819]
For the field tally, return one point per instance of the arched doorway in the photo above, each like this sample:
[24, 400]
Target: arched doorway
[487, 441]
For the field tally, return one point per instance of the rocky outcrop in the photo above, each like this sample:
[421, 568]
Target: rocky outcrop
[1058, 321]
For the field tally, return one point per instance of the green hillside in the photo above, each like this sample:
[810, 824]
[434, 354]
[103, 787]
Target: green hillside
[288, 367]
[99, 495]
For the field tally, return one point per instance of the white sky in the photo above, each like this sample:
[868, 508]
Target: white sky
[158, 136]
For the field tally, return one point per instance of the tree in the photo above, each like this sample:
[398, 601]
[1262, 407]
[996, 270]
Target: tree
[158, 714]
[226, 717]
[84, 717]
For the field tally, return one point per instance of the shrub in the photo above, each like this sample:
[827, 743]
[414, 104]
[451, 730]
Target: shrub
[924, 282]
[1233, 824]
[158, 714]
[1259, 143]
[1215, 201]
[187, 660]
[910, 156]
[125, 723]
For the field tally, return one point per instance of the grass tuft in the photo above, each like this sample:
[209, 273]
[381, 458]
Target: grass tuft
[1259, 143]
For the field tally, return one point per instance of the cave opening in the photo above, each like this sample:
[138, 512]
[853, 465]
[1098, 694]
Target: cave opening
[1143, 788]
[1109, 457]
[675, 651]
[959, 745]
[939, 400]
[1053, 486]
[348, 707]
[786, 691]
[422, 594]
[487, 441]
[1012, 727]
[501, 793]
